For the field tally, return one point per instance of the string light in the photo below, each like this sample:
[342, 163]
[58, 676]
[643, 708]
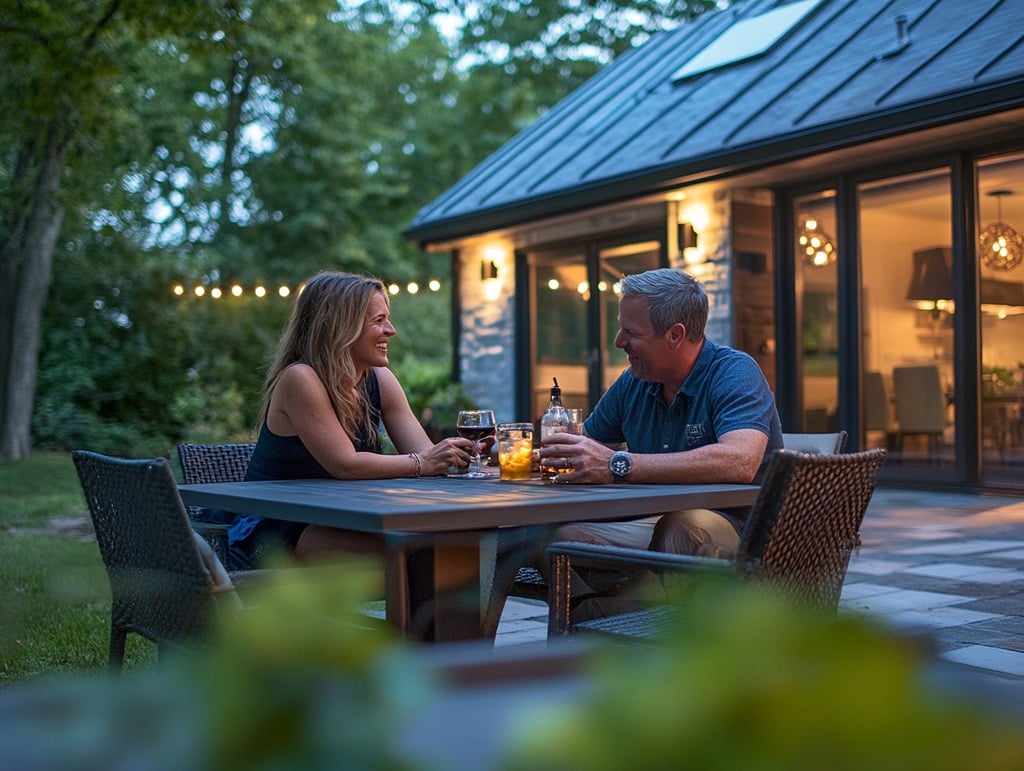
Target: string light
[284, 291]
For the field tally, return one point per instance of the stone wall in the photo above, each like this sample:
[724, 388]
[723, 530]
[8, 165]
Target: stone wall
[487, 347]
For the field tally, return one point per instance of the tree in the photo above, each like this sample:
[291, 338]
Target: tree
[68, 68]
[520, 58]
[245, 138]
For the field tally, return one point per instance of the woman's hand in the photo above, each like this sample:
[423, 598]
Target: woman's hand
[454, 451]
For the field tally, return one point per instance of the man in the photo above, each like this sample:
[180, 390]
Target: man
[687, 411]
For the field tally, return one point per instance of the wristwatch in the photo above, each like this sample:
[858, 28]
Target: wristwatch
[620, 464]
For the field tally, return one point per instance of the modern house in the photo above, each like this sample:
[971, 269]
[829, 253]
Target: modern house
[846, 177]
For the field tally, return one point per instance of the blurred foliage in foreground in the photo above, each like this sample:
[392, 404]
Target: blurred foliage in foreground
[749, 682]
[304, 683]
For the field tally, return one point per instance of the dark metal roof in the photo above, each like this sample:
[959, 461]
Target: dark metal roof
[840, 76]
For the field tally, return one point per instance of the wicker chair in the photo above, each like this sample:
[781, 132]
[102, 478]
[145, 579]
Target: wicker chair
[167, 584]
[530, 583]
[207, 463]
[799, 536]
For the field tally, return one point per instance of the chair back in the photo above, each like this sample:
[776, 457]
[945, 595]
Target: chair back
[822, 444]
[876, 403]
[920, 401]
[159, 584]
[806, 520]
[209, 463]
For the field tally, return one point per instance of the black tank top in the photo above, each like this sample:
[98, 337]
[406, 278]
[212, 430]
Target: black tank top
[286, 457]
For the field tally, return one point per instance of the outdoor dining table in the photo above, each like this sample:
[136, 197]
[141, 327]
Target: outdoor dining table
[436, 528]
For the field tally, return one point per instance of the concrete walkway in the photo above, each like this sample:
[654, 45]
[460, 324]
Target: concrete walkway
[950, 566]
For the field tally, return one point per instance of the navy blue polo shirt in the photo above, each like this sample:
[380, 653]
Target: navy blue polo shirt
[725, 391]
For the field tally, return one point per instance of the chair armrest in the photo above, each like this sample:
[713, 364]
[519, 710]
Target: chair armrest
[600, 555]
[566, 556]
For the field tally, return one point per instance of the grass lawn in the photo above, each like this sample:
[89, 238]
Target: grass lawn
[55, 602]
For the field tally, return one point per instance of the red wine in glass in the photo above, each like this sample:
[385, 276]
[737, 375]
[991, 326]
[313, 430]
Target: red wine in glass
[476, 425]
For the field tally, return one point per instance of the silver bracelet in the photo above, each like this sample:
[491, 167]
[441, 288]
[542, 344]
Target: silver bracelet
[416, 459]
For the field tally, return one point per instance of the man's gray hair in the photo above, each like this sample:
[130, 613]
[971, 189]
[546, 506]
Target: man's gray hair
[673, 297]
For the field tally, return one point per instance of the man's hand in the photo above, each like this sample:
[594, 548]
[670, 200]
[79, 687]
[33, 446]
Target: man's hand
[587, 458]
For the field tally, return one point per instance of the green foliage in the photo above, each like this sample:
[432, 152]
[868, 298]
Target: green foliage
[258, 141]
[115, 352]
[301, 679]
[434, 398]
[56, 602]
[751, 682]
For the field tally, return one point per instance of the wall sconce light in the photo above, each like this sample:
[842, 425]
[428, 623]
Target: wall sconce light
[816, 246]
[687, 236]
[488, 269]
[1000, 246]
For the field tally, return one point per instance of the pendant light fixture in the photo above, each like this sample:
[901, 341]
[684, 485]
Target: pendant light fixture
[1000, 246]
[816, 246]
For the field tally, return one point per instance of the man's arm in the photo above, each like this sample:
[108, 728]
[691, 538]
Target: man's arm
[734, 458]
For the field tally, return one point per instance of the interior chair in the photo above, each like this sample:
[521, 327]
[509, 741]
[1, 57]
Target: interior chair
[801, 531]
[167, 584]
[920, 406]
[208, 463]
[876, 407]
[822, 444]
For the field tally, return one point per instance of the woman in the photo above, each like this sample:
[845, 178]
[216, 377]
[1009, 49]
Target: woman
[326, 393]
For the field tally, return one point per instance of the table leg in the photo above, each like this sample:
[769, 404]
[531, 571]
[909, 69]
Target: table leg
[444, 589]
[396, 585]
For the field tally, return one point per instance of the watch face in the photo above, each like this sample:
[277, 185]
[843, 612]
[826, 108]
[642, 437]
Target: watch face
[620, 464]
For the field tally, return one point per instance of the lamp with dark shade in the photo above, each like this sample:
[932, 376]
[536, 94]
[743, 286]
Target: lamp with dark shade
[931, 283]
[1002, 298]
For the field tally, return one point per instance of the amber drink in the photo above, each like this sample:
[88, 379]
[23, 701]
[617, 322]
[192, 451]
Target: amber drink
[515, 451]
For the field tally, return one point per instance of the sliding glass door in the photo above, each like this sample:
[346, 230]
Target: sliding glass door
[573, 313]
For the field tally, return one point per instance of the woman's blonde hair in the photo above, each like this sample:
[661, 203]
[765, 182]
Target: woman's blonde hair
[327, 317]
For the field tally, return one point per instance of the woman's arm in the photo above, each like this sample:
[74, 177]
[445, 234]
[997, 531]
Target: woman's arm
[407, 432]
[300, 406]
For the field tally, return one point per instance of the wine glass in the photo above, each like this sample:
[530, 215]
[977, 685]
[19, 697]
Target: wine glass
[476, 425]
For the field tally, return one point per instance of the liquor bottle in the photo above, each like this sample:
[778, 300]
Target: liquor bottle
[554, 420]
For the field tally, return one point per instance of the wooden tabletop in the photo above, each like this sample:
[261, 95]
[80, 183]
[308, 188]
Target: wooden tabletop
[442, 504]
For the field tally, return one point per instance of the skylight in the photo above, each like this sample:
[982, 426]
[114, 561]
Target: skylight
[747, 38]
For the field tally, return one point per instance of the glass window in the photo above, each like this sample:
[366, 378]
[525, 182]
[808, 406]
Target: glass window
[565, 306]
[559, 282]
[816, 274]
[907, 334]
[1001, 273]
